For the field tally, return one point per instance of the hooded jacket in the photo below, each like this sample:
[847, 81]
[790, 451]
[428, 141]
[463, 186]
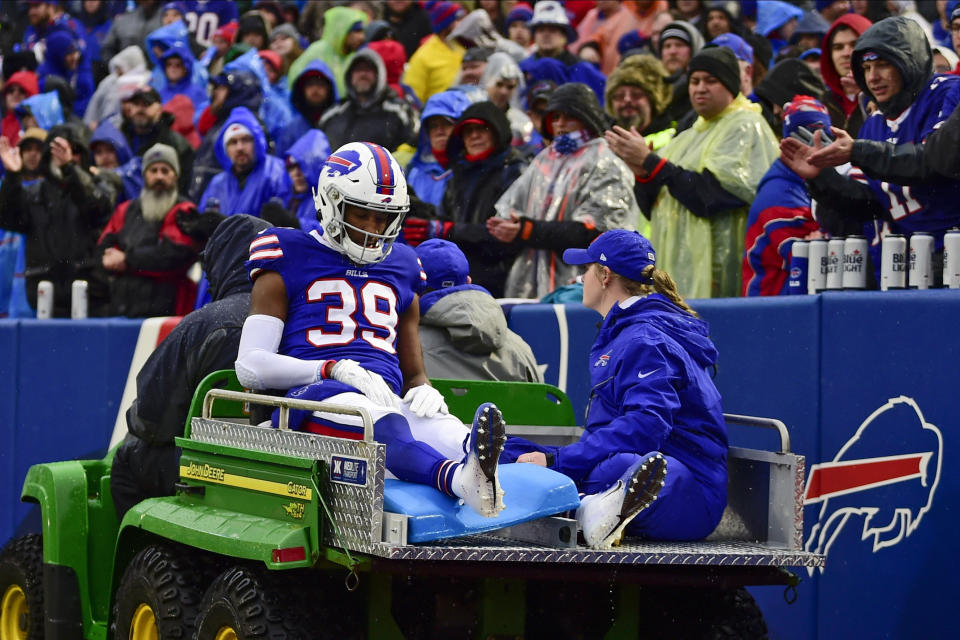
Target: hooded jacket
[309, 152]
[464, 336]
[105, 101]
[205, 341]
[425, 174]
[329, 49]
[61, 219]
[674, 409]
[193, 84]
[246, 91]
[921, 107]
[771, 16]
[501, 66]
[472, 191]
[26, 80]
[266, 180]
[59, 44]
[394, 59]
[901, 42]
[302, 119]
[850, 107]
[384, 118]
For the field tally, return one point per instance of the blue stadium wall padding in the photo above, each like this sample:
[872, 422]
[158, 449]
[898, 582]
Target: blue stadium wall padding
[66, 378]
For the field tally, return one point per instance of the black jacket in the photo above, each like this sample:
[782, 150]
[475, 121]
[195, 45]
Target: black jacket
[472, 191]
[902, 42]
[61, 217]
[912, 163]
[787, 79]
[386, 119]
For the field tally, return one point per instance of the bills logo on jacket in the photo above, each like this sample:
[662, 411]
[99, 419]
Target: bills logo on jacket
[881, 482]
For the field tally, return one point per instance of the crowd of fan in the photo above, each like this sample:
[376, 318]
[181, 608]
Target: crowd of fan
[724, 131]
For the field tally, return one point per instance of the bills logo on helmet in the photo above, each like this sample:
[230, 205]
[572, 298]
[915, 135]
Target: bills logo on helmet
[882, 481]
[343, 162]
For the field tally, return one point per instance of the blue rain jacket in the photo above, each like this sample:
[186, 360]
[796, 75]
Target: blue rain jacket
[427, 176]
[193, 85]
[45, 108]
[268, 179]
[59, 44]
[286, 133]
[309, 152]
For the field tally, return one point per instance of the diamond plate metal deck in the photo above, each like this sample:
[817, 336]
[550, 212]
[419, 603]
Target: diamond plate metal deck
[487, 548]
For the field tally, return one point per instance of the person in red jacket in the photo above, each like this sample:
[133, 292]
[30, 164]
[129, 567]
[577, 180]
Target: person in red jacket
[837, 73]
[20, 86]
[143, 250]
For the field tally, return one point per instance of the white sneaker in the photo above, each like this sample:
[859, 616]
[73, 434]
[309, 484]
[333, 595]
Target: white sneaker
[602, 517]
[480, 486]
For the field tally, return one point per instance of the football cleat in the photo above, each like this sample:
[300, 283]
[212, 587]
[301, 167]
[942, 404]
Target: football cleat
[479, 481]
[602, 517]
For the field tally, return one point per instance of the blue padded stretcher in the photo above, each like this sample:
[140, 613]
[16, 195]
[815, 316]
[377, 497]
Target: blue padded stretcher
[530, 492]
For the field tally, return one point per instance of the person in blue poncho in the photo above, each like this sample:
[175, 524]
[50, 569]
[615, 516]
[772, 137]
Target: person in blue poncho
[250, 175]
[179, 77]
[652, 460]
[64, 58]
[427, 173]
[311, 94]
[304, 161]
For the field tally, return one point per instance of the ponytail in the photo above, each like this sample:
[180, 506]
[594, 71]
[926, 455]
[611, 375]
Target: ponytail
[659, 282]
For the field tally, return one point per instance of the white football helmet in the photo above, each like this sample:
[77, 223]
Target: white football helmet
[365, 175]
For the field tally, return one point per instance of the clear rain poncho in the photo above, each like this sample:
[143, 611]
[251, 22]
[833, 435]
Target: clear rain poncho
[704, 254]
[591, 186]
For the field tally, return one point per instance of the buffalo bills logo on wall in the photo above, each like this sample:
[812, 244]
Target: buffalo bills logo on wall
[884, 493]
[342, 163]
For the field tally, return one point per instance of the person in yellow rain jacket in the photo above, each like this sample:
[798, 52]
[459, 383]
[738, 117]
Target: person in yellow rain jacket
[699, 186]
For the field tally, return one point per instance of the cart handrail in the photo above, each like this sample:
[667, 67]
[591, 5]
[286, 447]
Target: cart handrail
[766, 423]
[286, 404]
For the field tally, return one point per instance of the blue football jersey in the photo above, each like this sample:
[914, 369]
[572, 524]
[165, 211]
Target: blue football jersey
[338, 309]
[932, 206]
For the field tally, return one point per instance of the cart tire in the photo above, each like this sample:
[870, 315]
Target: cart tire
[21, 589]
[160, 593]
[245, 603]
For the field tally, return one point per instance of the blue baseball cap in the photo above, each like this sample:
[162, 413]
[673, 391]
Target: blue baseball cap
[625, 252]
[444, 263]
[735, 43]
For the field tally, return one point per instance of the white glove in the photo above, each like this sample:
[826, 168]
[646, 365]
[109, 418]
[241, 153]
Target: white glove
[366, 382]
[425, 401]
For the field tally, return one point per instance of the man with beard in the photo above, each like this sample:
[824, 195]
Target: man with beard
[637, 96]
[142, 249]
[372, 111]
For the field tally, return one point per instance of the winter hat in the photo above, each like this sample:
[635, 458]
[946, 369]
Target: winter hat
[643, 71]
[285, 29]
[476, 54]
[955, 13]
[673, 30]
[228, 31]
[721, 63]
[444, 263]
[378, 30]
[805, 111]
[521, 11]
[234, 130]
[273, 58]
[443, 14]
[948, 54]
[550, 12]
[735, 43]
[161, 153]
[179, 7]
[626, 253]
[33, 133]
